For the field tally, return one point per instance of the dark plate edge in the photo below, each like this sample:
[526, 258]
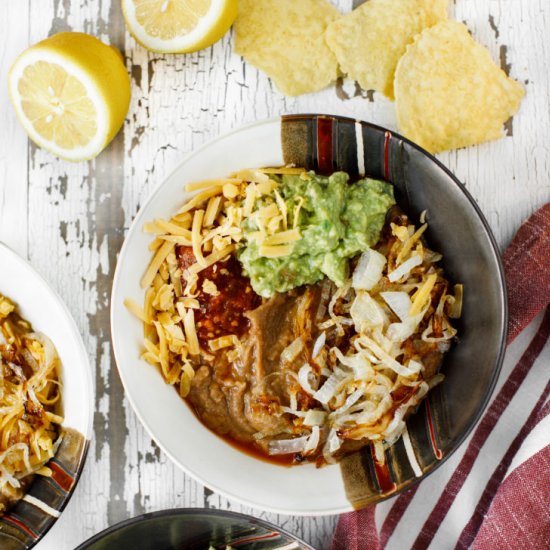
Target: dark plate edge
[184, 512]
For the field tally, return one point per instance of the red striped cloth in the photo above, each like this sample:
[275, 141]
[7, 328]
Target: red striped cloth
[494, 492]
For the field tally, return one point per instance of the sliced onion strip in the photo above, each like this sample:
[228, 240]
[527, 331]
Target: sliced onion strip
[405, 268]
[369, 270]
[303, 378]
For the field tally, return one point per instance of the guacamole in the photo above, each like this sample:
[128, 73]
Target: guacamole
[336, 220]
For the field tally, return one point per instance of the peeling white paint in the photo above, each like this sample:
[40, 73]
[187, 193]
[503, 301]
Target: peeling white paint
[104, 256]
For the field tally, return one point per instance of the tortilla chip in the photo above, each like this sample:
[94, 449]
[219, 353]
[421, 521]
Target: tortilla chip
[285, 39]
[369, 42]
[450, 93]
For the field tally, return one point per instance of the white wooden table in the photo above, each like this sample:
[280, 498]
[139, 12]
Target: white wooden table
[69, 220]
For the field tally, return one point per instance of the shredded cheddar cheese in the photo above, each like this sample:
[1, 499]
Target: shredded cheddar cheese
[212, 211]
[176, 239]
[275, 251]
[209, 287]
[284, 170]
[191, 332]
[297, 208]
[156, 263]
[197, 200]
[184, 219]
[230, 190]
[173, 228]
[197, 237]
[250, 198]
[248, 175]
[209, 184]
[266, 187]
[216, 256]
[410, 243]
[283, 237]
[223, 342]
[155, 244]
[282, 209]
[266, 212]
[423, 294]
[136, 310]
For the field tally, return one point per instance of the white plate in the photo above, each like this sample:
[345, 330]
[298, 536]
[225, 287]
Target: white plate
[39, 304]
[301, 490]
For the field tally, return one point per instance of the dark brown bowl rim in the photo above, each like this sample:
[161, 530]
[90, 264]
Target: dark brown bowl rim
[497, 365]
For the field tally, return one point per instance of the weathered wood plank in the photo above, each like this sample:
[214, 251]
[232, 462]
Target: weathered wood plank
[75, 217]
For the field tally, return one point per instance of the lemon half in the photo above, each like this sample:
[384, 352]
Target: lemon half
[178, 26]
[71, 93]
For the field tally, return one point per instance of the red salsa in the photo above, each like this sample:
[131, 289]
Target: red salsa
[221, 312]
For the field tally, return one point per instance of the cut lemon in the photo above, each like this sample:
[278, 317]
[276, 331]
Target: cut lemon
[71, 93]
[178, 26]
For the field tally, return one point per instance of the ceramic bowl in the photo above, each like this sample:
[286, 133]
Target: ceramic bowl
[194, 529]
[29, 520]
[457, 229]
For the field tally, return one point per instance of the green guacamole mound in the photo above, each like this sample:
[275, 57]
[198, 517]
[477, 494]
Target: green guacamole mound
[337, 221]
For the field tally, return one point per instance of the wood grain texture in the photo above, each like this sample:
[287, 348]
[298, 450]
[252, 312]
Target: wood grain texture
[14, 144]
[70, 219]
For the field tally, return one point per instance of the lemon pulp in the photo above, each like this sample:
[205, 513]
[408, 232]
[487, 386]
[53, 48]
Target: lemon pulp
[71, 93]
[172, 26]
[167, 19]
[57, 105]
